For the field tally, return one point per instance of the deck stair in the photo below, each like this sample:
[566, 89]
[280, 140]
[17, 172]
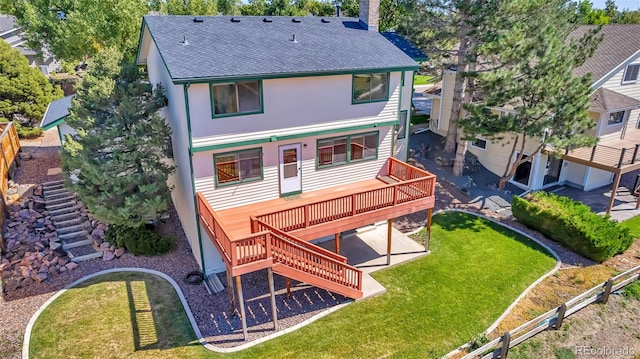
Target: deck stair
[65, 214]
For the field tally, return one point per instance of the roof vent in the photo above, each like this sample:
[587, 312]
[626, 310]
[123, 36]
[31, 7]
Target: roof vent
[184, 41]
[235, 20]
[296, 20]
[267, 20]
[195, 19]
[325, 21]
[294, 39]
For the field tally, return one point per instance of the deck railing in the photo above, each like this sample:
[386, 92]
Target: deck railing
[309, 258]
[413, 184]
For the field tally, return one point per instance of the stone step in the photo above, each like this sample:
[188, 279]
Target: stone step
[52, 183]
[54, 201]
[67, 222]
[86, 257]
[59, 206]
[63, 214]
[51, 187]
[56, 194]
[72, 235]
[69, 245]
[69, 229]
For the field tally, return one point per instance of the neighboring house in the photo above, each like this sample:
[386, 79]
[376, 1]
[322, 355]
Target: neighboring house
[283, 133]
[13, 34]
[615, 107]
[55, 116]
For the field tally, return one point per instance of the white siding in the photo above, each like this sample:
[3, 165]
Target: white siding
[175, 114]
[405, 105]
[312, 179]
[598, 178]
[573, 173]
[323, 102]
[632, 90]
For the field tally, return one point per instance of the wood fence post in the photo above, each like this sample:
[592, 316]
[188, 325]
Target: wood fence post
[506, 341]
[561, 311]
[607, 291]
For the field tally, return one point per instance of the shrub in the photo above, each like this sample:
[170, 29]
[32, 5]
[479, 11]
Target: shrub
[25, 131]
[572, 224]
[139, 240]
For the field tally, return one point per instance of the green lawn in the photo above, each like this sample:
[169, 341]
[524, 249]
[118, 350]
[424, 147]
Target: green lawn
[423, 79]
[432, 305]
[634, 225]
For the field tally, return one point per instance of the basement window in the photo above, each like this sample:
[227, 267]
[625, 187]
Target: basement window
[237, 98]
[479, 143]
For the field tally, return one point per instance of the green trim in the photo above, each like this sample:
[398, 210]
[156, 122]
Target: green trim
[60, 135]
[160, 53]
[235, 114]
[291, 137]
[197, 80]
[348, 159]
[185, 88]
[290, 193]
[142, 26]
[242, 181]
[55, 123]
[353, 86]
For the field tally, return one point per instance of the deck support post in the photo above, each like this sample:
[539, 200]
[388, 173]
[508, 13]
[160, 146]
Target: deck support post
[274, 309]
[614, 190]
[241, 305]
[287, 283]
[232, 303]
[336, 239]
[427, 235]
[389, 228]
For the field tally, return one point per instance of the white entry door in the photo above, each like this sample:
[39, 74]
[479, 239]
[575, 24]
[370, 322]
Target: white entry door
[290, 169]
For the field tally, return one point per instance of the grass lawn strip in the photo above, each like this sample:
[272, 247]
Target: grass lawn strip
[423, 79]
[432, 305]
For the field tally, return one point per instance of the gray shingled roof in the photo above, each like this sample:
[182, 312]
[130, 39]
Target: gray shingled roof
[7, 22]
[218, 47]
[618, 44]
[608, 100]
[403, 44]
[57, 110]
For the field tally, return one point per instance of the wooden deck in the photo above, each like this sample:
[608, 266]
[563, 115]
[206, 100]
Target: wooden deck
[274, 234]
[237, 220]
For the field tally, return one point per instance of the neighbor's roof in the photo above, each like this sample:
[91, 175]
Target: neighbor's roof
[244, 46]
[56, 112]
[608, 100]
[618, 44]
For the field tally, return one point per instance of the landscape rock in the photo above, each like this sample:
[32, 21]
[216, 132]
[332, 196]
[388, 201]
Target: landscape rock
[107, 256]
[71, 265]
[41, 277]
[119, 252]
[105, 246]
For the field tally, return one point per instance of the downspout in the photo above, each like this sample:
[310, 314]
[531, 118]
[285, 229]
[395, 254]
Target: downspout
[185, 88]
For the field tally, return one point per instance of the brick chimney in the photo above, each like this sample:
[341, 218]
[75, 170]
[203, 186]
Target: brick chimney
[369, 14]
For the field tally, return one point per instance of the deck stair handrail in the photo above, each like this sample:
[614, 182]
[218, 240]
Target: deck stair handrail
[309, 258]
[412, 184]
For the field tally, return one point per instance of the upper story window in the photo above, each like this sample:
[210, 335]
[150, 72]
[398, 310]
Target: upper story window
[237, 98]
[631, 74]
[237, 167]
[370, 87]
[616, 118]
[347, 149]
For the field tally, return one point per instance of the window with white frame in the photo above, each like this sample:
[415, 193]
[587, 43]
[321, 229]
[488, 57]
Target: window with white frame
[480, 143]
[616, 118]
[236, 98]
[631, 74]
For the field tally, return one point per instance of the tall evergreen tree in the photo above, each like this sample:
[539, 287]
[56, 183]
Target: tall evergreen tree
[24, 91]
[117, 157]
[536, 82]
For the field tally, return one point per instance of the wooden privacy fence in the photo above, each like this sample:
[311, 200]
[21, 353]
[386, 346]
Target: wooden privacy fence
[10, 147]
[499, 347]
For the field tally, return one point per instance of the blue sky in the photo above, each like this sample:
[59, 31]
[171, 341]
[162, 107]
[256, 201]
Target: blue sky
[631, 4]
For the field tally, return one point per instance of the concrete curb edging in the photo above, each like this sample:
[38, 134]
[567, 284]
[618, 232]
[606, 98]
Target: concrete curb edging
[194, 325]
[495, 324]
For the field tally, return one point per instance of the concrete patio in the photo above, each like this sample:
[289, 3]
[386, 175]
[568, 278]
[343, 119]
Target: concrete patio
[366, 249]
